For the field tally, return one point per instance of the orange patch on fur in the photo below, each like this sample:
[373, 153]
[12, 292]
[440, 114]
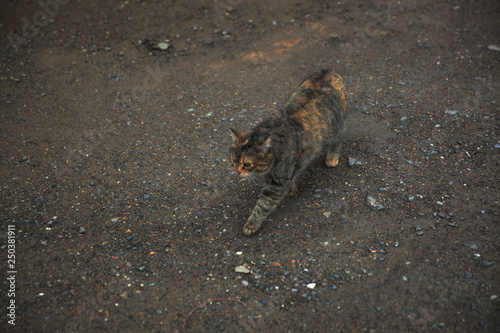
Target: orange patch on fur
[338, 84]
[245, 160]
[310, 120]
[301, 117]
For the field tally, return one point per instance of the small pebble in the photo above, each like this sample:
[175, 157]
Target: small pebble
[162, 46]
[311, 285]
[472, 245]
[493, 47]
[373, 202]
[242, 269]
[354, 162]
[81, 230]
[488, 263]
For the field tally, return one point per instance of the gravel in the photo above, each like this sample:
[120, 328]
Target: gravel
[374, 202]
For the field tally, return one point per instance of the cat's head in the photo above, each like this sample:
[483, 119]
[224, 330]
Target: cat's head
[251, 154]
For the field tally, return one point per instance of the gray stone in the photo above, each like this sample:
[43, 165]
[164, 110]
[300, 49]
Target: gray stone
[374, 202]
[354, 162]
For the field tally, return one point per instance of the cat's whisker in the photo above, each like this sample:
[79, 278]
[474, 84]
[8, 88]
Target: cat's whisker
[248, 178]
[252, 179]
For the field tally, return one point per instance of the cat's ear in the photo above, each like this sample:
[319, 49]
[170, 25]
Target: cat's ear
[266, 145]
[237, 135]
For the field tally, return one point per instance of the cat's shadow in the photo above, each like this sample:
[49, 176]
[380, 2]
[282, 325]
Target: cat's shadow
[318, 175]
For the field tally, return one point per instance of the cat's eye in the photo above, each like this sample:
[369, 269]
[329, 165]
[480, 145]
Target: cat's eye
[247, 165]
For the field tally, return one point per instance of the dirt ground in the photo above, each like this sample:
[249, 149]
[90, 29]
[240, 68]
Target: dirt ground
[123, 214]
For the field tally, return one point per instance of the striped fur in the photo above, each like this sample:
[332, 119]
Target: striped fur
[310, 124]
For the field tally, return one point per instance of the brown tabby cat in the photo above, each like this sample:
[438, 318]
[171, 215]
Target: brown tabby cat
[309, 124]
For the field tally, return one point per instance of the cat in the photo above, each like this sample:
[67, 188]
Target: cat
[308, 125]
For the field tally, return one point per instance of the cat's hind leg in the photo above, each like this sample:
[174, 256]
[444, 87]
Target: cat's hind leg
[293, 190]
[332, 155]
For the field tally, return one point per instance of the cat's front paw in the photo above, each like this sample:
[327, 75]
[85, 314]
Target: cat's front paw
[250, 228]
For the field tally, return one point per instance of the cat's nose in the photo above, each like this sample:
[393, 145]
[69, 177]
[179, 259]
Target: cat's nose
[237, 171]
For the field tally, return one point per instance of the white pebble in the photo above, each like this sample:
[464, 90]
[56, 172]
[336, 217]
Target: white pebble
[311, 285]
[493, 47]
[242, 269]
